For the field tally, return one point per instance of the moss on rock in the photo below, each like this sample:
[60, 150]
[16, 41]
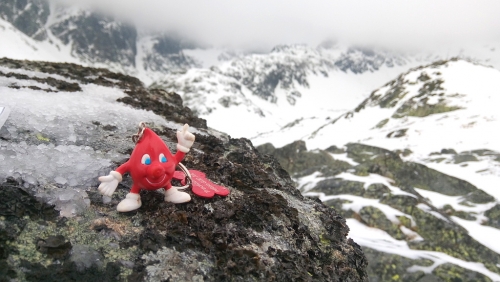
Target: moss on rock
[451, 273]
[295, 158]
[373, 217]
[390, 267]
[493, 215]
[408, 174]
[338, 186]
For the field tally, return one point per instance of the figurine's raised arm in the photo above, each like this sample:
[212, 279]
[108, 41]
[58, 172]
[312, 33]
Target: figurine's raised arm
[185, 139]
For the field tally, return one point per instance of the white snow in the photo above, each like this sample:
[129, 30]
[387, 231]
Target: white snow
[308, 182]
[486, 235]
[466, 129]
[357, 203]
[206, 57]
[323, 101]
[17, 45]
[484, 174]
[381, 241]
[439, 201]
[345, 158]
[374, 179]
[4, 114]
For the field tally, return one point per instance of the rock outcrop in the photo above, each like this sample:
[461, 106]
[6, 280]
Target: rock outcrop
[377, 188]
[69, 124]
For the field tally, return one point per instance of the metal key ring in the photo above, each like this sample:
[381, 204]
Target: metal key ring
[136, 137]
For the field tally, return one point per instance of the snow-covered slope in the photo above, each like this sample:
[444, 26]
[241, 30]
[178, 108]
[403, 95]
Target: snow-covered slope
[17, 45]
[446, 104]
[426, 150]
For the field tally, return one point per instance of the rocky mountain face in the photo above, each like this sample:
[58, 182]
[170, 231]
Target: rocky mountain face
[417, 177]
[281, 76]
[286, 69]
[29, 17]
[95, 38]
[378, 190]
[70, 124]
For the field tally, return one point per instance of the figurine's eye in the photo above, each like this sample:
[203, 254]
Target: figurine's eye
[146, 159]
[163, 159]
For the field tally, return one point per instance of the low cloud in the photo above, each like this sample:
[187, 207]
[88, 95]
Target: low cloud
[259, 24]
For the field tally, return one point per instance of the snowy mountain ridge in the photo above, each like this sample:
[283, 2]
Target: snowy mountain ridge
[422, 102]
[412, 164]
[266, 91]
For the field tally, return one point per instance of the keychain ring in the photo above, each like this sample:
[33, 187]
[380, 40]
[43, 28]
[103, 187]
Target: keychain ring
[189, 180]
[136, 137]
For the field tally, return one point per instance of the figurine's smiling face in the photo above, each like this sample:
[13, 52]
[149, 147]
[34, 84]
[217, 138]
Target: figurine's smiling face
[152, 164]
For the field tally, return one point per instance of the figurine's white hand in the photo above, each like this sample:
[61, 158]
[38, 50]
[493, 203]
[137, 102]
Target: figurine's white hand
[185, 139]
[109, 183]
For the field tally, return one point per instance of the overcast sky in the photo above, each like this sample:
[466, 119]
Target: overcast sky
[263, 24]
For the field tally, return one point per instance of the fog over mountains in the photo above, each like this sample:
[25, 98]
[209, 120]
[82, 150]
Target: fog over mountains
[402, 143]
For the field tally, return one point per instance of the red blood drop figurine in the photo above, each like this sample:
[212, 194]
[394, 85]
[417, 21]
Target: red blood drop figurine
[151, 166]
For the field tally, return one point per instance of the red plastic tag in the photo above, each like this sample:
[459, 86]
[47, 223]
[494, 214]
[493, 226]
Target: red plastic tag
[202, 187]
[179, 175]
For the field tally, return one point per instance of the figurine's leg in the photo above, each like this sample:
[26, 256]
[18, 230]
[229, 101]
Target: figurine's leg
[175, 196]
[132, 201]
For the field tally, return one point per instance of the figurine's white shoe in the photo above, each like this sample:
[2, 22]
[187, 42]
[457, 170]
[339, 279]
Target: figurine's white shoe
[131, 202]
[175, 196]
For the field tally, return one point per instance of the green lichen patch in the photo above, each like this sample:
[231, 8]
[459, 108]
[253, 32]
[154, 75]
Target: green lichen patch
[79, 231]
[338, 186]
[448, 151]
[335, 150]
[440, 234]
[392, 97]
[337, 205]
[483, 152]
[424, 77]
[449, 210]
[407, 174]
[391, 267]
[493, 215]
[373, 217]
[479, 197]
[419, 106]
[451, 272]
[405, 152]
[445, 236]
[37, 245]
[412, 109]
[40, 137]
[397, 133]
[169, 264]
[299, 162]
[376, 191]
[381, 123]
[461, 158]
